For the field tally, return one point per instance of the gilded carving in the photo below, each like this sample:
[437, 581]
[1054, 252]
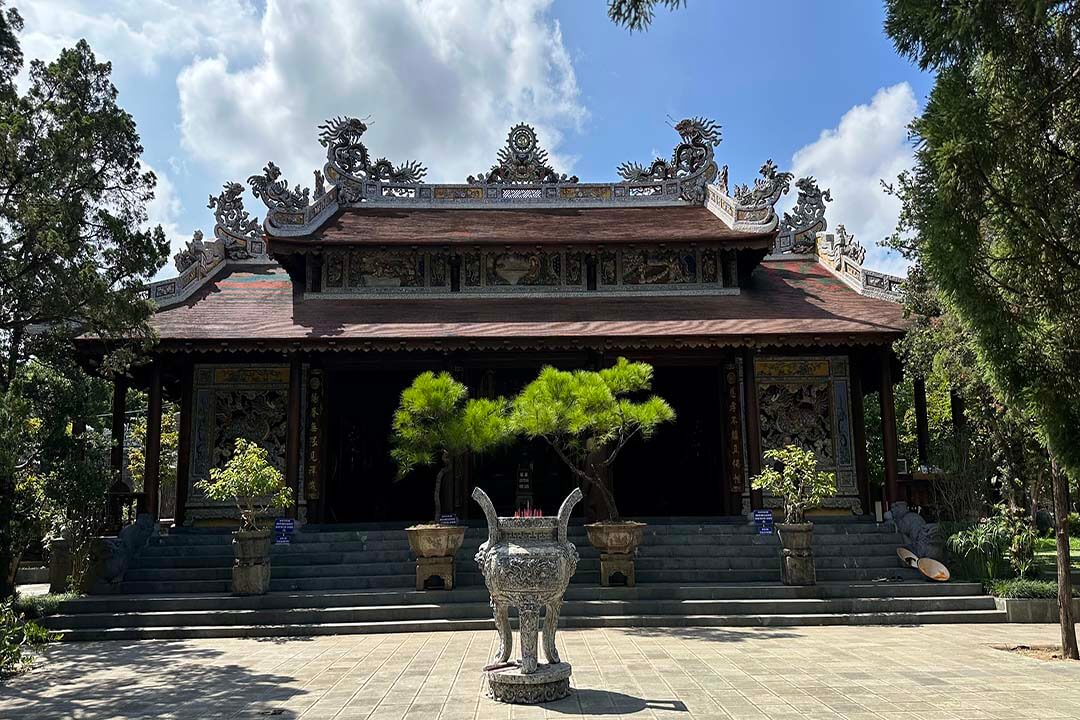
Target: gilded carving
[258, 415]
[659, 267]
[710, 267]
[335, 270]
[385, 268]
[513, 268]
[439, 268]
[609, 273]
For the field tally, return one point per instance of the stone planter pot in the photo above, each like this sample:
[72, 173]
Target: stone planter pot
[251, 563]
[434, 547]
[61, 565]
[527, 563]
[617, 543]
[796, 555]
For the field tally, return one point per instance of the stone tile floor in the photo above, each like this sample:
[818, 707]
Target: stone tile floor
[936, 672]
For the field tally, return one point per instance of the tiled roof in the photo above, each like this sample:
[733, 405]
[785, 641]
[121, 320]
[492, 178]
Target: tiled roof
[795, 302]
[396, 226]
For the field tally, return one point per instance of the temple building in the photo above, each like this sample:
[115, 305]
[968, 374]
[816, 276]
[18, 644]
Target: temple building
[301, 331]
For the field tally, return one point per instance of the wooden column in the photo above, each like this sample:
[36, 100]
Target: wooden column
[183, 445]
[922, 424]
[119, 407]
[292, 439]
[152, 455]
[753, 425]
[888, 427]
[858, 433]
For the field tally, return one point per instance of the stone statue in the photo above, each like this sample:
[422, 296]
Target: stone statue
[527, 563]
[920, 537]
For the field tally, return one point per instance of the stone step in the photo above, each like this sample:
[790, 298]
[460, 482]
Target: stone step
[643, 591]
[780, 620]
[481, 610]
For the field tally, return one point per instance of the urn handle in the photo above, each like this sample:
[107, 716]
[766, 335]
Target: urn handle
[564, 512]
[485, 504]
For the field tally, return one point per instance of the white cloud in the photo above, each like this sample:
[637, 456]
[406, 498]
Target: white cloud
[869, 145]
[136, 35]
[443, 80]
[165, 210]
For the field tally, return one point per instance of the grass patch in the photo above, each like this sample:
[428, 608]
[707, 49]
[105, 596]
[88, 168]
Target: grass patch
[1025, 588]
[39, 606]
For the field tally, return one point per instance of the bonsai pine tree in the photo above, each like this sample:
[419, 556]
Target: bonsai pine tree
[587, 417]
[795, 479]
[249, 480]
[437, 421]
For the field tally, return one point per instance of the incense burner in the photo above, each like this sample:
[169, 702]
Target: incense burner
[527, 563]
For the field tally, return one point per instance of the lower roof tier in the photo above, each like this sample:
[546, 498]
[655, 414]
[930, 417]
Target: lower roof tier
[789, 302]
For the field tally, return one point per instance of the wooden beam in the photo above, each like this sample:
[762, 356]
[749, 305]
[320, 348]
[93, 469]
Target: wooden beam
[753, 426]
[922, 424]
[152, 455]
[183, 445]
[292, 438]
[888, 427]
[858, 432]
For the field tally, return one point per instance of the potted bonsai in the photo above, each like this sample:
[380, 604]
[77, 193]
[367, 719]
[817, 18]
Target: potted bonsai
[256, 486]
[436, 421]
[794, 477]
[587, 417]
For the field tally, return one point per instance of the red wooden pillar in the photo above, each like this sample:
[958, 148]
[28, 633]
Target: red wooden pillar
[922, 424]
[152, 457]
[888, 427]
[292, 438]
[119, 407]
[183, 444]
[858, 434]
[753, 426]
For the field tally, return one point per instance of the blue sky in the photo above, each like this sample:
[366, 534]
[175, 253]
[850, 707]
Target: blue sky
[218, 87]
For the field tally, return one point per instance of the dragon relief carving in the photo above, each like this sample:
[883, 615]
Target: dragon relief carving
[233, 226]
[766, 190]
[799, 227]
[691, 161]
[275, 192]
[347, 154]
[522, 160]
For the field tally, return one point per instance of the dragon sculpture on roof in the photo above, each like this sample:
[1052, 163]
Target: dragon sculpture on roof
[691, 161]
[348, 155]
[799, 228]
[767, 189]
[275, 192]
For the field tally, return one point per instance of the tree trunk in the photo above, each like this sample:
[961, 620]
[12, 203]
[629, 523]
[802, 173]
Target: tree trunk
[1064, 564]
[7, 542]
[446, 468]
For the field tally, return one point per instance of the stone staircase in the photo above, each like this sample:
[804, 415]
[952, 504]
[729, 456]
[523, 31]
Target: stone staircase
[336, 579]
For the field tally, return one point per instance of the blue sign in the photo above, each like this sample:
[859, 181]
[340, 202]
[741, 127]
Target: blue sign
[449, 519]
[764, 521]
[283, 530]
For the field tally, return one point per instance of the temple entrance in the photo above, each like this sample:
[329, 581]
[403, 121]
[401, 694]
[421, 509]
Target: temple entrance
[679, 470]
[360, 484]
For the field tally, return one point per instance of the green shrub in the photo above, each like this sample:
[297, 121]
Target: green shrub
[250, 481]
[39, 606]
[1024, 588]
[17, 637]
[798, 481]
[1074, 524]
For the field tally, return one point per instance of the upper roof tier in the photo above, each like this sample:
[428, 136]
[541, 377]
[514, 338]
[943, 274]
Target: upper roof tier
[521, 200]
[578, 226]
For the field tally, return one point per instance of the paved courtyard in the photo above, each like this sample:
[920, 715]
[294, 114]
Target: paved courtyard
[896, 673]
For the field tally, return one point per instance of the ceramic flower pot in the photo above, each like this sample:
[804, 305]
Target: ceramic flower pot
[796, 554]
[617, 543]
[251, 562]
[434, 546]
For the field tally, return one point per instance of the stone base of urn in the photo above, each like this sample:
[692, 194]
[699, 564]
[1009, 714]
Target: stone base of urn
[434, 547]
[251, 564]
[617, 543]
[616, 564]
[797, 555]
[511, 685]
[435, 567]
